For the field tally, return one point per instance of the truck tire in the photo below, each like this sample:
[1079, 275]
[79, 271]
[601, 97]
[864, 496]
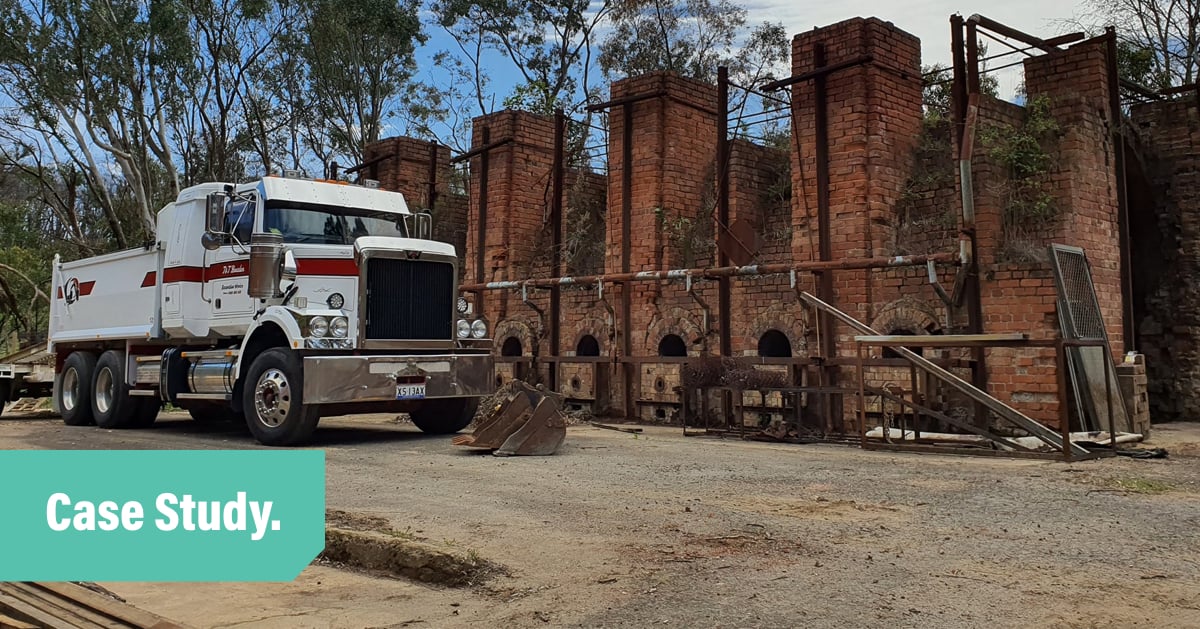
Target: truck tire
[5, 391]
[112, 406]
[443, 417]
[145, 412]
[271, 399]
[75, 391]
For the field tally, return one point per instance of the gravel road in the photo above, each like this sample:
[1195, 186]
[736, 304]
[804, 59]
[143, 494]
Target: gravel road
[623, 530]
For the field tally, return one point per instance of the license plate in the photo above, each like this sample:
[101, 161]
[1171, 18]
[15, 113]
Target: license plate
[410, 390]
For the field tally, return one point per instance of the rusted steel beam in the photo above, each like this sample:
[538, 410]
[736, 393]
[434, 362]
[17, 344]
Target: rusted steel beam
[1116, 121]
[483, 150]
[818, 71]
[717, 272]
[431, 193]
[556, 217]
[1011, 33]
[724, 316]
[958, 90]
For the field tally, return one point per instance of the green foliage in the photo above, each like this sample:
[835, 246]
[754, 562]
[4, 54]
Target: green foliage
[692, 238]
[359, 57]
[692, 38]
[1022, 151]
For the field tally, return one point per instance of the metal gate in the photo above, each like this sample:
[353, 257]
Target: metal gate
[1092, 373]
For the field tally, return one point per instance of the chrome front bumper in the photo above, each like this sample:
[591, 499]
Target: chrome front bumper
[340, 379]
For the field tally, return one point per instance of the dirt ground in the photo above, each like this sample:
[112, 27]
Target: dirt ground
[621, 530]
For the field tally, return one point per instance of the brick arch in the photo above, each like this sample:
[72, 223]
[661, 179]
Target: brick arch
[518, 329]
[675, 321]
[595, 327]
[907, 314]
[792, 321]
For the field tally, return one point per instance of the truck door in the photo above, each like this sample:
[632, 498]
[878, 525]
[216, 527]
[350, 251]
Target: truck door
[227, 269]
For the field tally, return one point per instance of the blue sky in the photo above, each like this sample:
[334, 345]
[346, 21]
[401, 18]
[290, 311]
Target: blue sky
[927, 19]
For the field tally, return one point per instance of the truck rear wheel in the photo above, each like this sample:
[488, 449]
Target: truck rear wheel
[112, 406]
[443, 417]
[272, 400]
[75, 390]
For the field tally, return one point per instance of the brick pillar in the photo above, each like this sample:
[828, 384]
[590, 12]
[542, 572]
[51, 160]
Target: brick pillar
[404, 167]
[1075, 81]
[670, 197]
[517, 201]
[673, 148]
[874, 119]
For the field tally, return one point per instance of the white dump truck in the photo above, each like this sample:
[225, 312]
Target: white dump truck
[272, 302]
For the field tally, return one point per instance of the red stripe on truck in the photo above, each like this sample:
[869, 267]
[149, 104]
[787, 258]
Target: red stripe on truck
[338, 267]
[148, 280]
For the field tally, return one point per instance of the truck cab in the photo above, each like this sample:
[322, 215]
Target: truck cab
[273, 302]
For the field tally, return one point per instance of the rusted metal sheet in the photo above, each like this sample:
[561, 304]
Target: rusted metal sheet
[528, 421]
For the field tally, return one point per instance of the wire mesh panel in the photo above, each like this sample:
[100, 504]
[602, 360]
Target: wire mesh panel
[1093, 379]
[1077, 295]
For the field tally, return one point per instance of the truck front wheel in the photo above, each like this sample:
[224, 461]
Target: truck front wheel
[272, 400]
[443, 417]
[75, 389]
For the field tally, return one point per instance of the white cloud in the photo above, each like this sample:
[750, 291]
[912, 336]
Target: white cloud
[928, 20]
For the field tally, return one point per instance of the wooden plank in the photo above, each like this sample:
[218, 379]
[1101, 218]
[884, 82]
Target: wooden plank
[114, 609]
[8, 622]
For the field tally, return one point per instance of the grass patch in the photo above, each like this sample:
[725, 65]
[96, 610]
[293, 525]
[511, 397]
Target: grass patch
[1140, 485]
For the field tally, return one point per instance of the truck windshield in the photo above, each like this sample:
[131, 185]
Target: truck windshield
[330, 226]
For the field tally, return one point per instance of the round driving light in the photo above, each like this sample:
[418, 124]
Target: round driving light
[479, 329]
[464, 329]
[318, 326]
[463, 306]
[339, 327]
[336, 301]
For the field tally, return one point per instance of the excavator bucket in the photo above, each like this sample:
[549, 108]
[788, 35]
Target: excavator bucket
[526, 422]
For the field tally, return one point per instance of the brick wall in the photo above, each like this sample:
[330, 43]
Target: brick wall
[405, 168]
[1164, 223]
[892, 192]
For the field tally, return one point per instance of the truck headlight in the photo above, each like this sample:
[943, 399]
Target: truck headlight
[464, 329]
[463, 306]
[339, 327]
[318, 326]
[479, 329]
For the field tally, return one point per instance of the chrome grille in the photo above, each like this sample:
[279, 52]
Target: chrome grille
[409, 299]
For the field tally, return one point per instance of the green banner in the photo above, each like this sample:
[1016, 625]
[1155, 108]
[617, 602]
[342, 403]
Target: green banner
[191, 515]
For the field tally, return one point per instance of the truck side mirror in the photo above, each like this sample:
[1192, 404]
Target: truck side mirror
[287, 268]
[214, 220]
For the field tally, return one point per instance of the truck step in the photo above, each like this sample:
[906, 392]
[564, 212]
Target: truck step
[23, 405]
[204, 396]
[211, 353]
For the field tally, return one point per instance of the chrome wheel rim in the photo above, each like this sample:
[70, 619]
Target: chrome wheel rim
[104, 390]
[272, 398]
[70, 389]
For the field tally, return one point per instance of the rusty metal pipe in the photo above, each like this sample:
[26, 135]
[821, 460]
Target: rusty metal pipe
[719, 272]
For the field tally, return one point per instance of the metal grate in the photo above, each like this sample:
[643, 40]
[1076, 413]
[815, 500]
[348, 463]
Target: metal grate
[409, 299]
[1093, 377]
[1077, 295]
